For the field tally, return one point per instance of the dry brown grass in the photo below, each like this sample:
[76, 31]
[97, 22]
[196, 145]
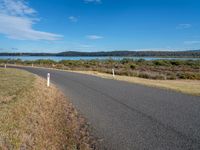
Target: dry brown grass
[36, 117]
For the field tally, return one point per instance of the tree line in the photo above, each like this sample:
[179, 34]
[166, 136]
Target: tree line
[189, 53]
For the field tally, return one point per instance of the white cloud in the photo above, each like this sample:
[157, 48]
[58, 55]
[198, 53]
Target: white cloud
[92, 1]
[94, 37]
[86, 46]
[73, 19]
[16, 22]
[191, 42]
[16, 7]
[184, 26]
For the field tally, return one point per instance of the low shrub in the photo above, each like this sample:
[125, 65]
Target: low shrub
[161, 63]
[191, 76]
[133, 66]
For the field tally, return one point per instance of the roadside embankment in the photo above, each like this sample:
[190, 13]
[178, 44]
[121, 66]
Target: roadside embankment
[36, 117]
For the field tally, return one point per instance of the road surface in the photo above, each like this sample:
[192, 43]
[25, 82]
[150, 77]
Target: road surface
[129, 116]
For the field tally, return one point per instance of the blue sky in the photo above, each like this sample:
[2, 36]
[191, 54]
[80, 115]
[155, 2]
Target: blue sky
[98, 25]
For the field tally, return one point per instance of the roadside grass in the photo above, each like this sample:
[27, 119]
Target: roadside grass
[191, 87]
[33, 116]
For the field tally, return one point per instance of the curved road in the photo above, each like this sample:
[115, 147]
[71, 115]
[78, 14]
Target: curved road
[130, 116]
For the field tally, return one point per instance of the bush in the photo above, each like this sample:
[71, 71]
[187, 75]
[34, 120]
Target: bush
[144, 75]
[141, 60]
[133, 66]
[149, 75]
[191, 76]
[176, 62]
[161, 63]
[45, 62]
[126, 61]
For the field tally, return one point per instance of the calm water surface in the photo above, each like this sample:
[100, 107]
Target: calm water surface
[56, 58]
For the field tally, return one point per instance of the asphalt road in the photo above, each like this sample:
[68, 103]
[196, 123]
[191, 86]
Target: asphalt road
[129, 116]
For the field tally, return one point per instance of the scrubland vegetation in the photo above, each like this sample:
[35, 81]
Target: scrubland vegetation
[33, 116]
[154, 69]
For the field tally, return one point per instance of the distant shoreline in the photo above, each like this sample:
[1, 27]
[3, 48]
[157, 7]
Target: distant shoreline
[162, 54]
[102, 56]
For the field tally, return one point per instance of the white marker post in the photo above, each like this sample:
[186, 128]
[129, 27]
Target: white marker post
[48, 79]
[32, 64]
[113, 73]
[5, 66]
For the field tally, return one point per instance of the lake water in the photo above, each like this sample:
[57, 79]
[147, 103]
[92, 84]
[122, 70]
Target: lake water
[58, 58]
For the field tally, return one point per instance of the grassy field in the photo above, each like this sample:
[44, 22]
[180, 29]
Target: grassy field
[33, 116]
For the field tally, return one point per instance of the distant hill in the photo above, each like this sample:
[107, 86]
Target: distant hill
[189, 53]
[193, 53]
